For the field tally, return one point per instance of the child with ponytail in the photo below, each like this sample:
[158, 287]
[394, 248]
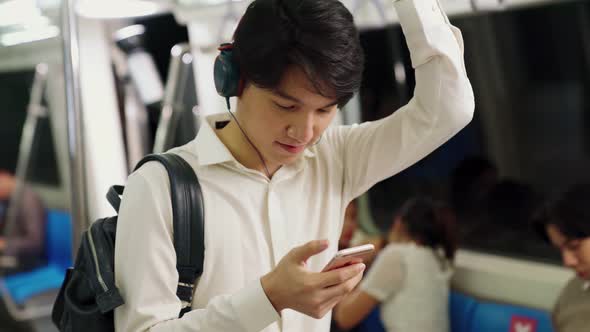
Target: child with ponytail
[410, 277]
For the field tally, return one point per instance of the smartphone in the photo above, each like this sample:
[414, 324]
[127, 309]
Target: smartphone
[348, 256]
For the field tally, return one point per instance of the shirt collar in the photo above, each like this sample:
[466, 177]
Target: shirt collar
[309, 152]
[211, 150]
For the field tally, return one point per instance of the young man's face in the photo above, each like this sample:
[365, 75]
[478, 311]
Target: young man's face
[283, 122]
[575, 253]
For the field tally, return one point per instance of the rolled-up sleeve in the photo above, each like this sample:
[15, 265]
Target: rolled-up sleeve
[145, 271]
[443, 103]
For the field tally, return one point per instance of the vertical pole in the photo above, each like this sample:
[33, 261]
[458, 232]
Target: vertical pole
[74, 120]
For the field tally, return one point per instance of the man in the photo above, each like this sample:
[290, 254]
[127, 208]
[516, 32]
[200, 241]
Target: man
[23, 250]
[26, 243]
[566, 224]
[349, 225]
[471, 183]
[275, 182]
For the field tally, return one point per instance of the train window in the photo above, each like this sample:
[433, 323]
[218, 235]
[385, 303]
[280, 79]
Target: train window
[15, 89]
[530, 138]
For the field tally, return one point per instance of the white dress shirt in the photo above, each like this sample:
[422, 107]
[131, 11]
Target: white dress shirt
[412, 284]
[252, 222]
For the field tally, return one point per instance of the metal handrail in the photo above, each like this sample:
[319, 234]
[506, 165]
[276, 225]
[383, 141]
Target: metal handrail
[177, 84]
[22, 313]
[29, 141]
[74, 120]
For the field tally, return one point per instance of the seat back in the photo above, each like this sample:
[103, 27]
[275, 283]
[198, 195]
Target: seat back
[58, 238]
[494, 317]
[461, 308]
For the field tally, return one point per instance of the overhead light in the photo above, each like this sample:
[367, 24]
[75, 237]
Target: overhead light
[21, 12]
[21, 21]
[113, 9]
[29, 35]
[48, 4]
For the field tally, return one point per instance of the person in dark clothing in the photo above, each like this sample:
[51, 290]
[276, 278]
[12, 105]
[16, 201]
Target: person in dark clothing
[27, 241]
[22, 249]
[471, 182]
[565, 223]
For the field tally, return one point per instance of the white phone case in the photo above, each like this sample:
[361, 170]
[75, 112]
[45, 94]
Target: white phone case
[345, 256]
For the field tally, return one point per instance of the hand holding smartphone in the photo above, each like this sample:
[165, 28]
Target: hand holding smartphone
[348, 256]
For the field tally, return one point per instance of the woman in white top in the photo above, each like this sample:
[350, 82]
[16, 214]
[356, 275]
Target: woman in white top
[410, 277]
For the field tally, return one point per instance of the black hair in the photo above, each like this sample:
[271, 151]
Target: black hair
[569, 212]
[318, 36]
[431, 223]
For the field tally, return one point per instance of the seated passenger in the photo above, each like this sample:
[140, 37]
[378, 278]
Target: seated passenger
[565, 222]
[26, 242]
[471, 182]
[410, 277]
[506, 213]
[349, 237]
[25, 246]
[349, 226]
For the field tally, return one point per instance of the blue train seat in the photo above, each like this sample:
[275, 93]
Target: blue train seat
[58, 248]
[59, 235]
[461, 308]
[493, 317]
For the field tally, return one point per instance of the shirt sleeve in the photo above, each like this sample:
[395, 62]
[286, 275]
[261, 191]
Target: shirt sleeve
[442, 104]
[146, 275]
[386, 276]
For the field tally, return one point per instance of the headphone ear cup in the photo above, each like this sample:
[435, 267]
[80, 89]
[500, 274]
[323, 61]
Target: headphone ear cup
[226, 74]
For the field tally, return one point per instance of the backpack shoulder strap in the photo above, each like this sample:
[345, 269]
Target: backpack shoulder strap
[188, 222]
[114, 196]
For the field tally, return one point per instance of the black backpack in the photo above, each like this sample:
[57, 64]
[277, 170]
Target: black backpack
[88, 295]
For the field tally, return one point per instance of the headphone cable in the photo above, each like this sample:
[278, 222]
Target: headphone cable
[249, 141]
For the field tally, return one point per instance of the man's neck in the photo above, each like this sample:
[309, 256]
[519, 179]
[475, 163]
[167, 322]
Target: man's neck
[239, 146]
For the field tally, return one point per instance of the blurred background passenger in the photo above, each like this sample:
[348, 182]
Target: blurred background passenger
[565, 222]
[505, 217]
[22, 248]
[349, 225]
[410, 277]
[26, 240]
[352, 235]
[471, 182]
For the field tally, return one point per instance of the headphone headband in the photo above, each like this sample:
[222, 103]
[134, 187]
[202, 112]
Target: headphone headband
[226, 47]
[226, 72]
